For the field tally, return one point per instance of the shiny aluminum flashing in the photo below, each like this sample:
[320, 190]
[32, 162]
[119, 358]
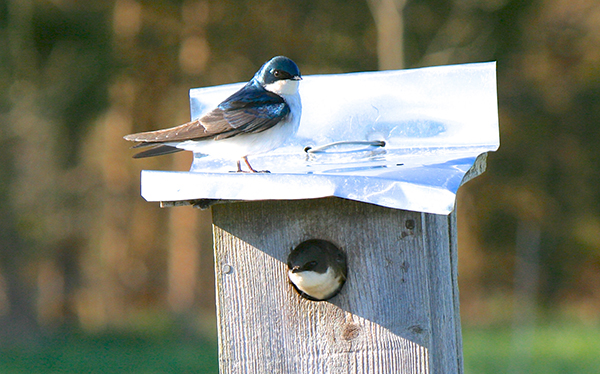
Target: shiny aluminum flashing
[401, 139]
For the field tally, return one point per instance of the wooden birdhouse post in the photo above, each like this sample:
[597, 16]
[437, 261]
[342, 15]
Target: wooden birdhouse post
[374, 171]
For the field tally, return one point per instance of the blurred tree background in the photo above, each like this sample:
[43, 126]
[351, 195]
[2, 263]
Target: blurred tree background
[82, 254]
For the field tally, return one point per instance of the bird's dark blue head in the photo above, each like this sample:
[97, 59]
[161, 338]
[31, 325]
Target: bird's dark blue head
[317, 269]
[317, 255]
[276, 69]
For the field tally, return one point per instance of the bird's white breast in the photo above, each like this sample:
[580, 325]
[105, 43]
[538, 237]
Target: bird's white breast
[317, 285]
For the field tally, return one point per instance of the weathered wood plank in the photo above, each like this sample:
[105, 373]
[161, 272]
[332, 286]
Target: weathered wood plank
[397, 312]
[440, 239]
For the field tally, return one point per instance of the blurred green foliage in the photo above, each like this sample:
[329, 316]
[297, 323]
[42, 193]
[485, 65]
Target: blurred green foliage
[556, 348]
[112, 353]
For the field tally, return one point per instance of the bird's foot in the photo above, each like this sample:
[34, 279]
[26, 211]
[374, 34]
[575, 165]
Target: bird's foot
[252, 170]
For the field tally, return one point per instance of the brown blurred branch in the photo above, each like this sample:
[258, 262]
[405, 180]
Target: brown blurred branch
[390, 32]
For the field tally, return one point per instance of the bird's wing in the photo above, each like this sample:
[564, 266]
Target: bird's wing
[190, 130]
[250, 110]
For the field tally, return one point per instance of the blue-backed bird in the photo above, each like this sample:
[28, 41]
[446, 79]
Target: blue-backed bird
[256, 119]
[317, 269]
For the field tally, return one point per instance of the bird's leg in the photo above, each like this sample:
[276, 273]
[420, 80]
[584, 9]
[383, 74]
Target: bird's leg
[245, 158]
[239, 165]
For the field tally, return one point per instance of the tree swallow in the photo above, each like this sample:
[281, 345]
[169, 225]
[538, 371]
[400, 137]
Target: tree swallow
[256, 119]
[317, 269]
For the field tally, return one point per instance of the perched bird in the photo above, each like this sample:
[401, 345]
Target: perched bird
[256, 119]
[317, 269]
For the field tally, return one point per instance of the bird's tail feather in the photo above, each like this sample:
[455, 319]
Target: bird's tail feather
[158, 150]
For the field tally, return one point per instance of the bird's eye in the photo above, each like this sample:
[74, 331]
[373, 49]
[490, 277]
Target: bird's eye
[310, 265]
[281, 74]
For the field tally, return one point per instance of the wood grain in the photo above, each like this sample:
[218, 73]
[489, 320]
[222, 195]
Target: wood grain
[397, 313]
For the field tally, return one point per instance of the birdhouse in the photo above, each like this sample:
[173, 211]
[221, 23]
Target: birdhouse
[373, 172]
